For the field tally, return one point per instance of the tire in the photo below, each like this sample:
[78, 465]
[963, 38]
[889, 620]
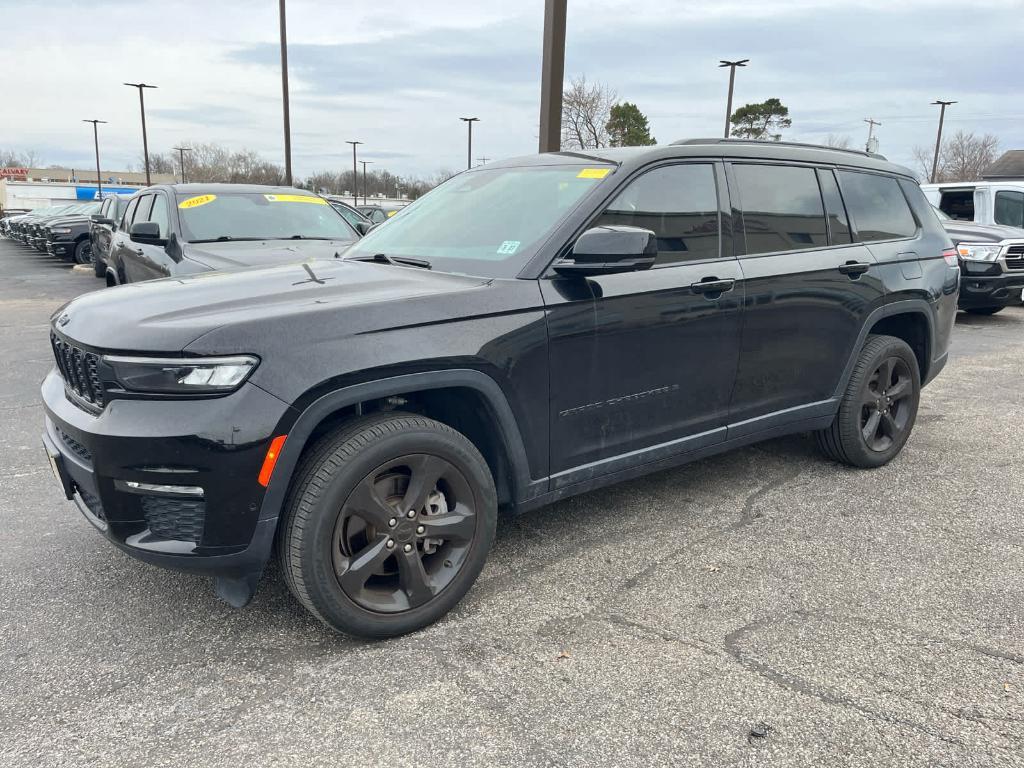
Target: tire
[98, 266]
[353, 569]
[874, 421]
[83, 252]
[984, 310]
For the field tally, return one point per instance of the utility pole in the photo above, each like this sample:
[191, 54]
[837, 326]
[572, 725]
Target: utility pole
[96, 143]
[871, 132]
[552, 75]
[355, 173]
[482, 160]
[469, 149]
[284, 97]
[365, 163]
[181, 160]
[145, 142]
[732, 82]
[938, 138]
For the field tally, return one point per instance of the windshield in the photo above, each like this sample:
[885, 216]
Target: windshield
[259, 216]
[486, 222]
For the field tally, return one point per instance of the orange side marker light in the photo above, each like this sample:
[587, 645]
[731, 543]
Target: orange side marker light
[271, 459]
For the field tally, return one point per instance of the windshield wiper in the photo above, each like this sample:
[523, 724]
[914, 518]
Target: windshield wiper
[225, 239]
[405, 261]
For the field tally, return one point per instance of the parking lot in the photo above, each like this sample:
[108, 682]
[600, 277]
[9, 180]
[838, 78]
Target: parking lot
[765, 607]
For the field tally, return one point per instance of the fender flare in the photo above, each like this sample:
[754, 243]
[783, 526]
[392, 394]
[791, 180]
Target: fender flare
[308, 419]
[901, 307]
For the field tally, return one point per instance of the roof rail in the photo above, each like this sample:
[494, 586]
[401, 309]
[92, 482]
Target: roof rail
[779, 143]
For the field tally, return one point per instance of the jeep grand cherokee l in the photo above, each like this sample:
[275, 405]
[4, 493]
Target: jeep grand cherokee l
[529, 330]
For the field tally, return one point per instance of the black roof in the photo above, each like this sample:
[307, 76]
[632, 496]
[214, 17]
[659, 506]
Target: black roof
[1009, 166]
[738, 148]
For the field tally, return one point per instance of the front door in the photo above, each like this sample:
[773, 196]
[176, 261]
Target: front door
[148, 261]
[642, 363]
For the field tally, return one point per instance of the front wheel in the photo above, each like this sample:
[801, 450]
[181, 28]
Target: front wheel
[83, 252]
[388, 524]
[878, 410]
[983, 310]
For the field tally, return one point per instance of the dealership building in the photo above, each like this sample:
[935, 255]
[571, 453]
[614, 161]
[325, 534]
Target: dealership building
[28, 188]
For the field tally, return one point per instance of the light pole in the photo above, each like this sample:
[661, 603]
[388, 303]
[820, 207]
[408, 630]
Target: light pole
[284, 98]
[732, 81]
[96, 143]
[938, 138]
[365, 163]
[181, 160]
[551, 75]
[469, 149]
[355, 173]
[142, 108]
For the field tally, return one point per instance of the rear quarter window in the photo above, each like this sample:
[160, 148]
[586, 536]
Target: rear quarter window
[877, 207]
[1010, 208]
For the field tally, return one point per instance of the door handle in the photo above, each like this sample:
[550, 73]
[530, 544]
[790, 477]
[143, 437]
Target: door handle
[712, 285]
[854, 268]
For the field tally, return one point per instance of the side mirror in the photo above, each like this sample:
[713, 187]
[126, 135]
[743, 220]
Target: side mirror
[362, 227]
[100, 219]
[147, 232]
[607, 250]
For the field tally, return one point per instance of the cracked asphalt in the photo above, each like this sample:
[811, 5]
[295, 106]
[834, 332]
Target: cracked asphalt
[764, 607]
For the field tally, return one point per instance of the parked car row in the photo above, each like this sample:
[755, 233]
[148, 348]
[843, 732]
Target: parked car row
[61, 230]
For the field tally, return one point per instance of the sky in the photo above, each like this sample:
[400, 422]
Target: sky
[398, 75]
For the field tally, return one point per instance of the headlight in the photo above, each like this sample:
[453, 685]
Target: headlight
[978, 252]
[195, 375]
[61, 230]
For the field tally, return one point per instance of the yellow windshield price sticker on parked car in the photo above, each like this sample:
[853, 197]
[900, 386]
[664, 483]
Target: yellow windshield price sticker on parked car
[296, 199]
[593, 173]
[195, 202]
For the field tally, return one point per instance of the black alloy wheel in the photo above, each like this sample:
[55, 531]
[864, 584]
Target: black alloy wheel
[404, 533]
[886, 404]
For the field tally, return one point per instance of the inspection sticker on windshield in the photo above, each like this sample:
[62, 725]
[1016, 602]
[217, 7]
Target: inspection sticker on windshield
[195, 202]
[593, 173]
[296, 199]
[509, 247]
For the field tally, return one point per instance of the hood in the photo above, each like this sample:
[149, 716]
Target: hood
[248, 253]
[167, 315]
[969, 232]
[64, 221]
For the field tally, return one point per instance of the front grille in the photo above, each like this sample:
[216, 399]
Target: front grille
[93, 503]
[1015, 257]
[78, 368]
[174, 518]
[76, 447]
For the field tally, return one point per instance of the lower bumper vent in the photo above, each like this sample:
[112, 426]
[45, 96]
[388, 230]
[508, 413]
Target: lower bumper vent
[172, 518]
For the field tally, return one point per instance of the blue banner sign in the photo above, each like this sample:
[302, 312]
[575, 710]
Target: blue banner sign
[93, 193]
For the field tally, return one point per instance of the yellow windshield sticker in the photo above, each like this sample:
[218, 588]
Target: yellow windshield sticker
[195, 202]
[593, 173]
[391, 213]
[296, 199]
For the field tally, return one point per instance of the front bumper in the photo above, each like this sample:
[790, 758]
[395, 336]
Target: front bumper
[991, 290]
[60, 248]
[217, 445]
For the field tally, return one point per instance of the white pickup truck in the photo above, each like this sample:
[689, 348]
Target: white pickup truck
[983, 202]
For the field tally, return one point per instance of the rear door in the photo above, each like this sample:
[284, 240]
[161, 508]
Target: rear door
[642, 363]
[809, 289]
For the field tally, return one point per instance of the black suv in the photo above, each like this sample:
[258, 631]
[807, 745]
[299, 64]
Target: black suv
[183, 229]
[101, 232]
[527, 331]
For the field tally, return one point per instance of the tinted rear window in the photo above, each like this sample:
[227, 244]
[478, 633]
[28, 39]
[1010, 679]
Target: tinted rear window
[782, 208]
[877, 207]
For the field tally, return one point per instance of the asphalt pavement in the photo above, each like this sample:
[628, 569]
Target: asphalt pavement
[764, 607]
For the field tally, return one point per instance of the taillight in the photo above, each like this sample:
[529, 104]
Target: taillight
[950, 256]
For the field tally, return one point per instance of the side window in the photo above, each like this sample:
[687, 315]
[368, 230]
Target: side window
[1010, 208]
[105, 208]
[126, 220]
[142, 212]
[838, 223]
[958, 204]
[877, 206]
[679, 203]
[158, 213]
[782, 208]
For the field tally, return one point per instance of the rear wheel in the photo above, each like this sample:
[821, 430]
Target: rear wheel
[83, 252]
[984, 310]
[878, 410]
[388, 524]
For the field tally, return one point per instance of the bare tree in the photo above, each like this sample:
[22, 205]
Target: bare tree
[837, 142]
[963, 157]
[27, 159]
[586, 109]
